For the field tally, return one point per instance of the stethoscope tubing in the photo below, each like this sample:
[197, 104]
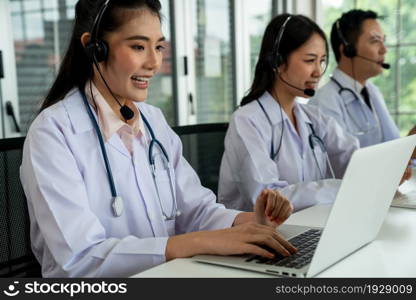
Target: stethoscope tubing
[311, 139]
[152, 144]
[342, 89]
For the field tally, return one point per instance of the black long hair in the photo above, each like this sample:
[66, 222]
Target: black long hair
[76, 68]
[297, 32]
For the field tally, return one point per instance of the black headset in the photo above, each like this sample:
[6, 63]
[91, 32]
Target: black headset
[97, 49]
[349, 50]
[275, 59]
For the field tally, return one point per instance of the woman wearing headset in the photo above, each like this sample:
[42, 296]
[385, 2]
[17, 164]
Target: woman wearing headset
[273, 141]
[109, 193]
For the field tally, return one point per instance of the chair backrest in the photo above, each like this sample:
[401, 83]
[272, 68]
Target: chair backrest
[16, 257]
[203, 147]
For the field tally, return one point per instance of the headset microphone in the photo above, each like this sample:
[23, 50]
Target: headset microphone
[126, 112]
[97, 51]
[383, 65]
[307, 92]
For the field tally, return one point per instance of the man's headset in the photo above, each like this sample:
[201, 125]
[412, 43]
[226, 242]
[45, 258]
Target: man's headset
[97, 51]
[275, 59]
[349, 49]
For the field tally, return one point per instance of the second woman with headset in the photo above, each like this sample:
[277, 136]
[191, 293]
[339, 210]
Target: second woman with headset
[273, 141]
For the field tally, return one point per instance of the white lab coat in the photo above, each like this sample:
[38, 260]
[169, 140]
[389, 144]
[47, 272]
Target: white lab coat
[247, 166]
[352, 113]
[73, 229]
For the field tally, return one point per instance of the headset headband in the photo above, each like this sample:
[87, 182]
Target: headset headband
[280, 35]
[341, 36]
[97, 22]
[349, 49]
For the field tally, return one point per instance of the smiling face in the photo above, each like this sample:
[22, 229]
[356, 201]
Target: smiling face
[135, 55]
[304, 66]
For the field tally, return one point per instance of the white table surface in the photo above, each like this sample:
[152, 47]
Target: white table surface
[391, 254]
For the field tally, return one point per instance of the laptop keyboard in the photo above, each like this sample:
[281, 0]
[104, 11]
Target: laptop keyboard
[305, 243]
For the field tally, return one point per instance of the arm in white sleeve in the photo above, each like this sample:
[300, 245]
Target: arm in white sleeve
[340, 145]
[64, 229]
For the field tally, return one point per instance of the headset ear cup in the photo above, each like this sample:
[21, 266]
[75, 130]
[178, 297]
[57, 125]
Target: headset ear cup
[271, 62]
[279, 60]
[89, 50]
[97, 51]
[274, 61]
[101, 51]
[349, 51]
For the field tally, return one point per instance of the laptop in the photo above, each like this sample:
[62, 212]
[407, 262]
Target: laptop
[363, 200]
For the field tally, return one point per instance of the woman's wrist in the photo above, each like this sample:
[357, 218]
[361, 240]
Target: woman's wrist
[244, 217]
[184, 245]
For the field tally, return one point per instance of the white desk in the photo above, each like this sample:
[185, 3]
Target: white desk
[392, 254]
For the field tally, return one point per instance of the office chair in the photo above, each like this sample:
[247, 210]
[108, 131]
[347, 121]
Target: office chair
[16, 257]
[203, 147]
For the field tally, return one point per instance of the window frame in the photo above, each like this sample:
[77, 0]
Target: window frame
[10, 74]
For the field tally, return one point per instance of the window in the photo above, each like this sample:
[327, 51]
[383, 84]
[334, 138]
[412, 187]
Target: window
[40, 30]
[332, 10]
[259, 15]
[161, 87]
[213, 60]
[203, 76]
[398, 83]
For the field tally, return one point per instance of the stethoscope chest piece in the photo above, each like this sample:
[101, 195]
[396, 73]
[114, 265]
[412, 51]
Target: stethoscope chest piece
[117, 206]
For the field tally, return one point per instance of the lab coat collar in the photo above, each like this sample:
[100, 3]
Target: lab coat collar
[77, 113]
[348, 82]
[300, 114]
[272, 108]
[81, 122]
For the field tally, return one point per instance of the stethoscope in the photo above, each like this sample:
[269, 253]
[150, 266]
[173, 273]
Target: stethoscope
[313, 139]
[360, 131]
[117, 204]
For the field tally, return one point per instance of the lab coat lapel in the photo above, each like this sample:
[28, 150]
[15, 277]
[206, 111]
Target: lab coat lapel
[116, 143]
[81, 122]
[304, 131]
